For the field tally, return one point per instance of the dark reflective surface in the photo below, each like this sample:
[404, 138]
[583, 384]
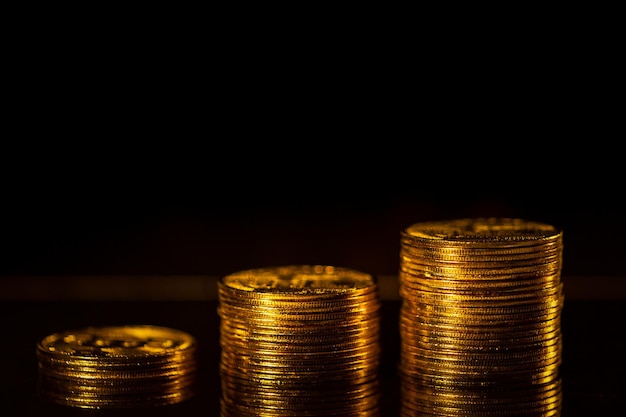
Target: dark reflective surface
[594, 358]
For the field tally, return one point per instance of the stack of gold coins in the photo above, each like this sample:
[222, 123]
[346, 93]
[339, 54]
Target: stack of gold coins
[117, 366]
[480, 318]
[299, 341]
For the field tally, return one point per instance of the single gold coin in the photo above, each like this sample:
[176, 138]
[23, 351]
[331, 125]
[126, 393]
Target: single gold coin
[117, 342]
[484, 230]
[299, 279]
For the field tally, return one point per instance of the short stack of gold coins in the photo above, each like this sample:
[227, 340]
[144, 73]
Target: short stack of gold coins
[117, 366]
[299, 340]
[480, 318]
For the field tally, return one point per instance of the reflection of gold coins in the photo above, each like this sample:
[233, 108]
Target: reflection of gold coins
[117, 366]
[299, 341]
[480, 318]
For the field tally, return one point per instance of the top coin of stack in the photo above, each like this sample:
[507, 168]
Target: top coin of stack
[480, 318]
[299, 341]
[117, 366]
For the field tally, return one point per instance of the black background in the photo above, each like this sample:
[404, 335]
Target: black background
[208, 143]
[209, 211]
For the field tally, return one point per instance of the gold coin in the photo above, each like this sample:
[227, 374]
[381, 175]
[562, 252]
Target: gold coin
[299, 328]
[299, 279]
[481, 307]
[491, 230]
[123, 342]
[117, 366]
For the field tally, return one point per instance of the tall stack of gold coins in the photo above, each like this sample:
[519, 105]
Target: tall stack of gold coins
[480, 318]
[117, 366]
[299, 340]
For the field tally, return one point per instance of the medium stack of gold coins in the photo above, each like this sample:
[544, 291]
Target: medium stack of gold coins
[480, 318]
[299, 341]
[117, 366]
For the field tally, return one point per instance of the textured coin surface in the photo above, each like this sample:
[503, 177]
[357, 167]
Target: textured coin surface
[299, 340]
[491, 229]
[481, 307]
[117, 366]
[298, 279]
[117, 341]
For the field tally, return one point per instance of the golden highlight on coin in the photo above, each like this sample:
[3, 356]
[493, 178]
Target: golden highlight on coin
[480, 318]
[117, 366]
[299, 340]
